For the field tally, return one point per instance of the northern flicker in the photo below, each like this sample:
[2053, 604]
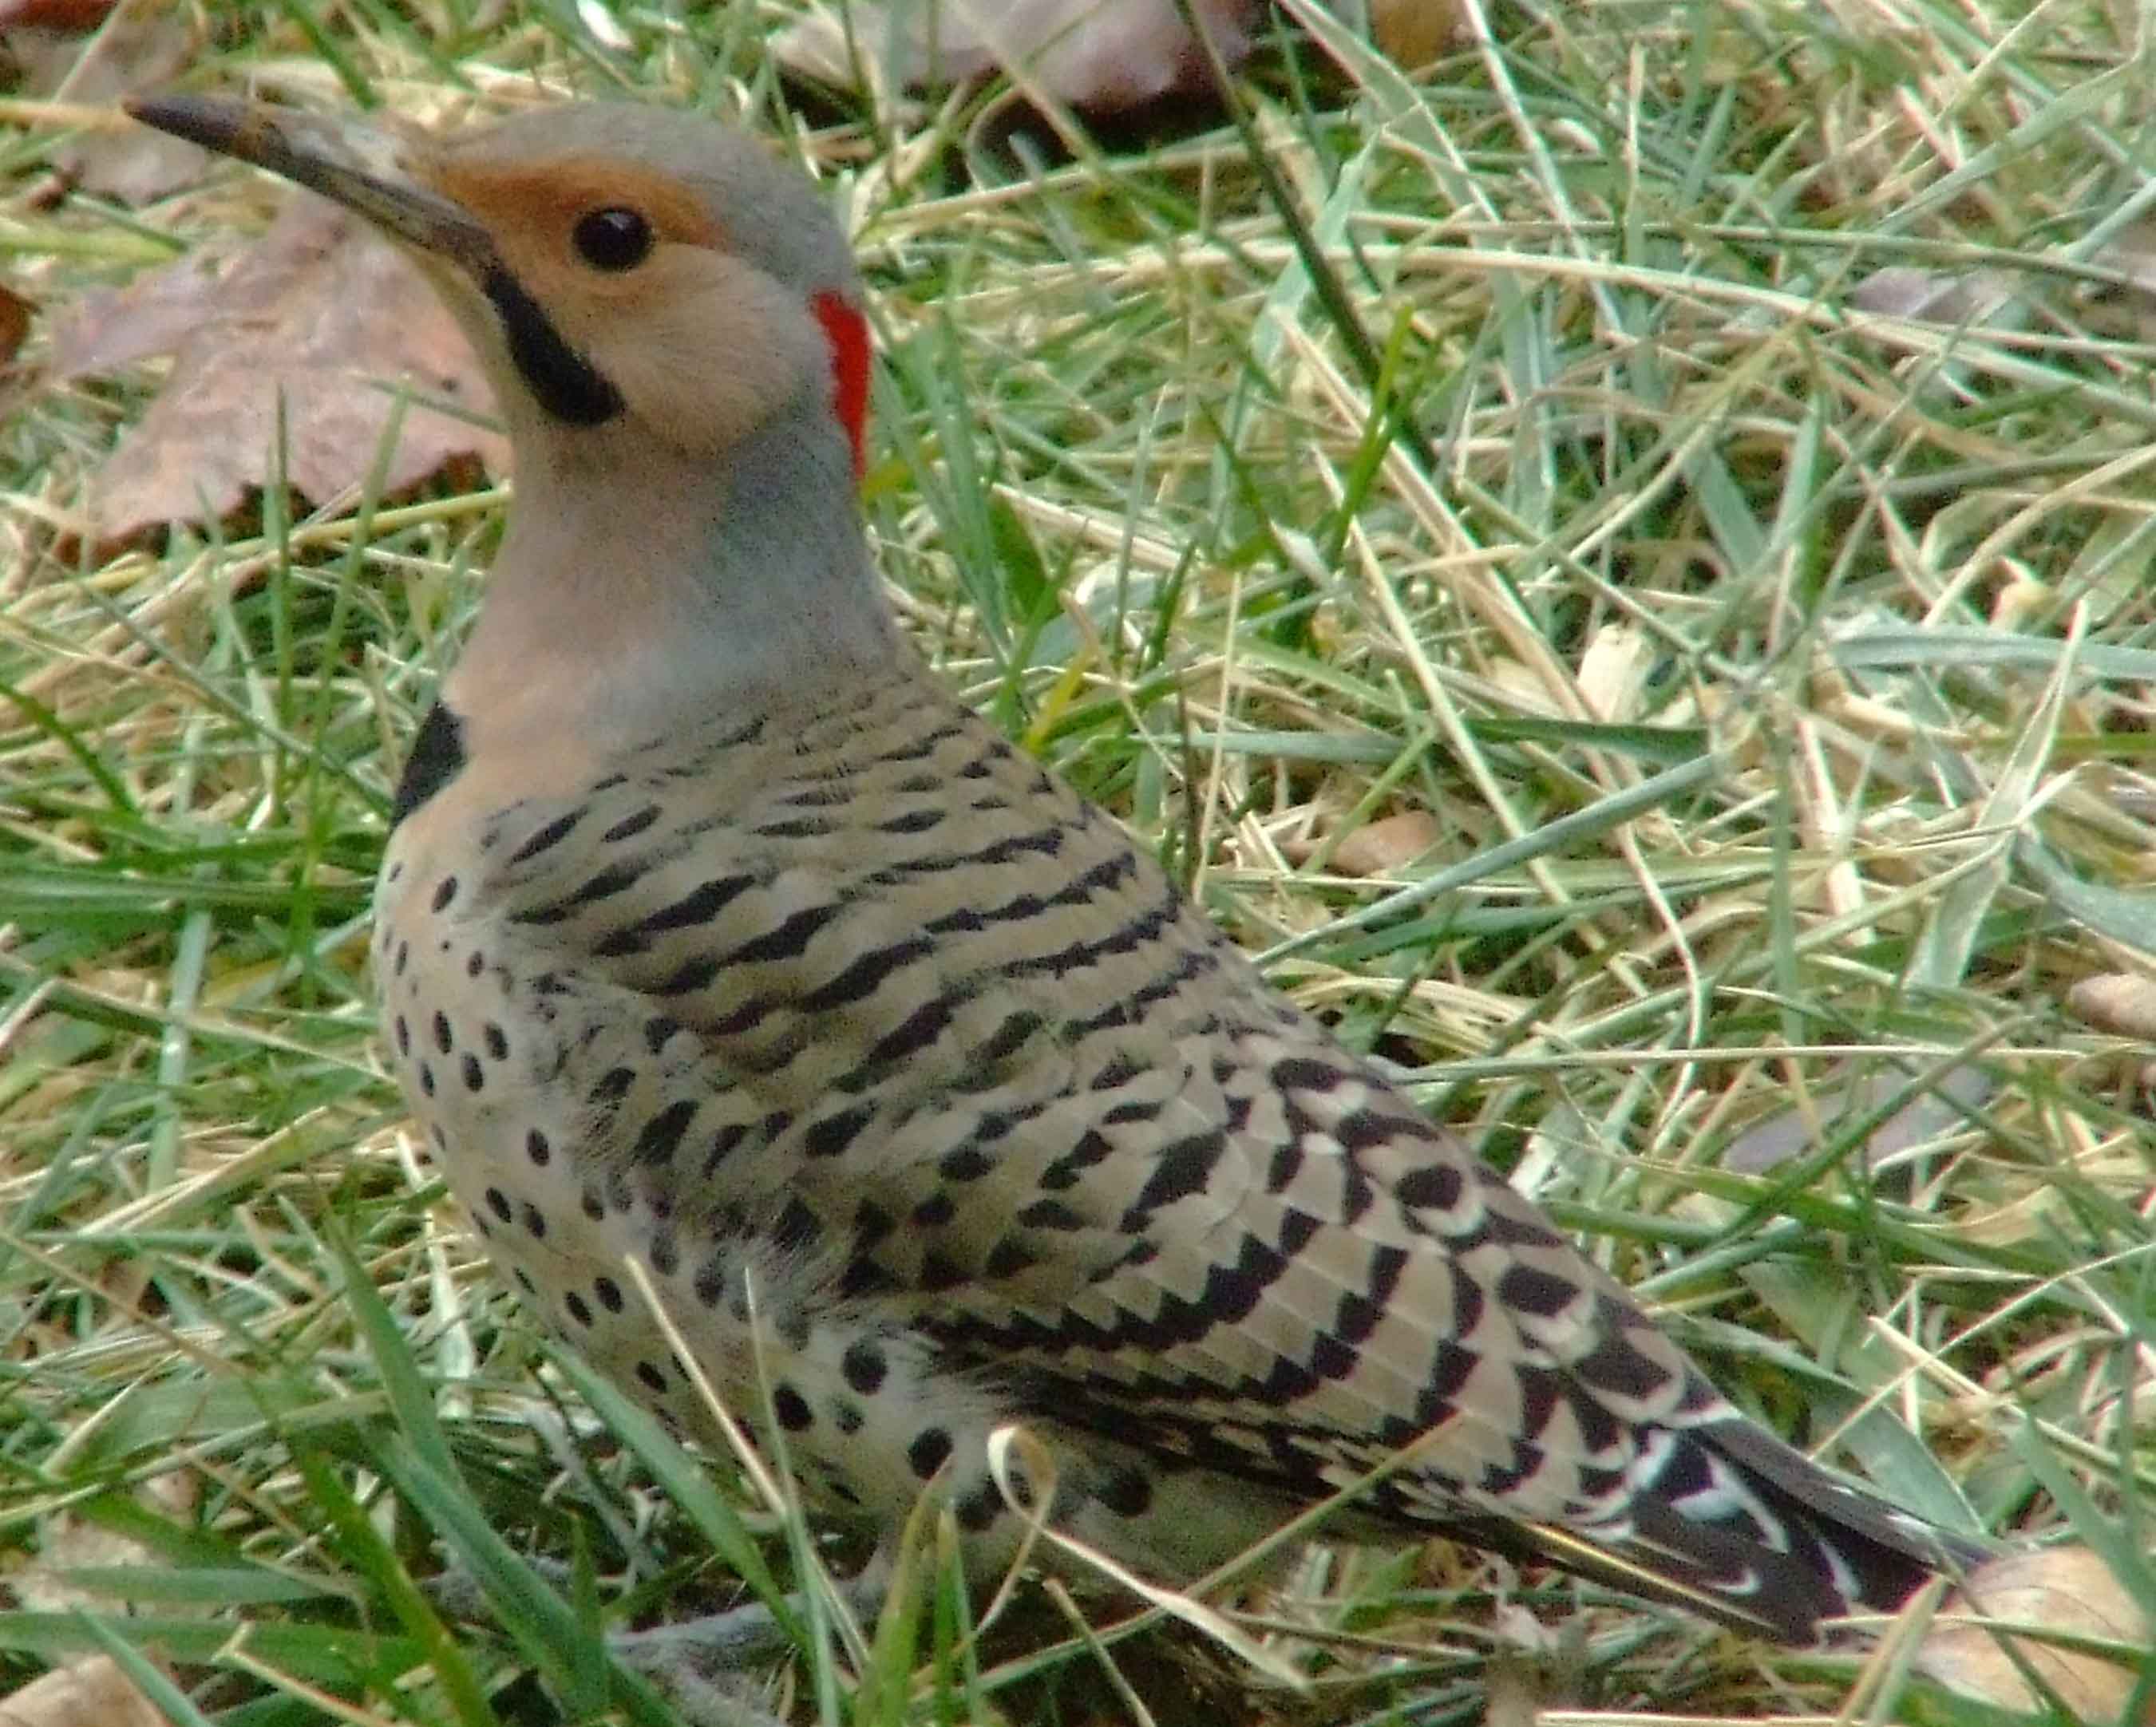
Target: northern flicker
[714, 931]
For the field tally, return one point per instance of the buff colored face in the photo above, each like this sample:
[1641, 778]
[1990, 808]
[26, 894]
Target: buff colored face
[684, 285]
[632, 274]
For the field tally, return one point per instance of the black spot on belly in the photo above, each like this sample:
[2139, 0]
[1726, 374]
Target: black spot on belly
[864, 1366]
[792, 1410]
[929, 1448]
[979, 1509]
[1128, 1492]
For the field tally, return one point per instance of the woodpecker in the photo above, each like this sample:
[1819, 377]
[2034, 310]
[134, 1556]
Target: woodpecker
[715, 933]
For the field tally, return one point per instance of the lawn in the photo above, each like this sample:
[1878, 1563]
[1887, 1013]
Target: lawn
[1618, 566]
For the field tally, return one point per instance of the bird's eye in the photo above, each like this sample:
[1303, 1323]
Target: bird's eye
[614, 238]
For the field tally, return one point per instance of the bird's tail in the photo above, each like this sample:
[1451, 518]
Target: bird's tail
[1731, 1523]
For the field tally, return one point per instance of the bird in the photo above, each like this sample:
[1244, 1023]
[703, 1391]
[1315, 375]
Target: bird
[715, 935]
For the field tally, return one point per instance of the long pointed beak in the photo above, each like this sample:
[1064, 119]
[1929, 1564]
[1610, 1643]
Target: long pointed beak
[348, 161]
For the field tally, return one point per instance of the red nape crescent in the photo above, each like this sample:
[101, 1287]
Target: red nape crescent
[847, 333]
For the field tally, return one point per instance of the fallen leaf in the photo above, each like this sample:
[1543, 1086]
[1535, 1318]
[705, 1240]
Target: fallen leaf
[1415, 32]
[1379, 848]
[150, 45]
[1523, 686]
[155, 314]
[2128, 310]
[1387, 845]
[69, 1543]
[95, 1691]
[91, 1693]
[2067, 1590]
[76, 15]
[2019, 600]
[15, 314]
[1927, 1116]
[1102, 55]
[2118, 1001]
[1612, 671]
[346, 318]
[1957, 297]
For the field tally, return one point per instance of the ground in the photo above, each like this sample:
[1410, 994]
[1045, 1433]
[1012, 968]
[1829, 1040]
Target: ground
[1619, 565]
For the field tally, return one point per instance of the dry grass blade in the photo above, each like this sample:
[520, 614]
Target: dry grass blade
[1541, 452]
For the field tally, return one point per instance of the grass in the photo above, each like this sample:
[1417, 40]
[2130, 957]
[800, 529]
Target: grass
[1773, 673]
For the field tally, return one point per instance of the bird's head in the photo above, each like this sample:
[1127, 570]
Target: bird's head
[621, 269]
[673, 326]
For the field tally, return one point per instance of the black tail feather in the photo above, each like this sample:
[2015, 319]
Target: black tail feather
[1796, 1548]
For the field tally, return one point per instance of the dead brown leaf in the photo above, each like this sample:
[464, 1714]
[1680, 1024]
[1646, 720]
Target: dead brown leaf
[1977, 297]
[54, 15]
[150, 44]
[94, 1691]
[15, 314]
[2119, 1002]
[1102, 55]
[1380, 847]
[1613, 671]
[91, 1693]
[2128, 311]
[1387, 845]
[155, 314]
[2063, 1589]
[1927, 1116]
[344, 319]
[1415, 33]
[70, 1543]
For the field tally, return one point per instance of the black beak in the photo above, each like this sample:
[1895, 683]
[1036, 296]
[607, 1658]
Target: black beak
[351, 163]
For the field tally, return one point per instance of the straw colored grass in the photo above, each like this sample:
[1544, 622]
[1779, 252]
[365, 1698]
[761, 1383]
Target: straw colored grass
[1767, 661]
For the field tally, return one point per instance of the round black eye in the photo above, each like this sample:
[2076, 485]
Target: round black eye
[614, 239]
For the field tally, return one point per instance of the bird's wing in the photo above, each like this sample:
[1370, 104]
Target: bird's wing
[991, 1062]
